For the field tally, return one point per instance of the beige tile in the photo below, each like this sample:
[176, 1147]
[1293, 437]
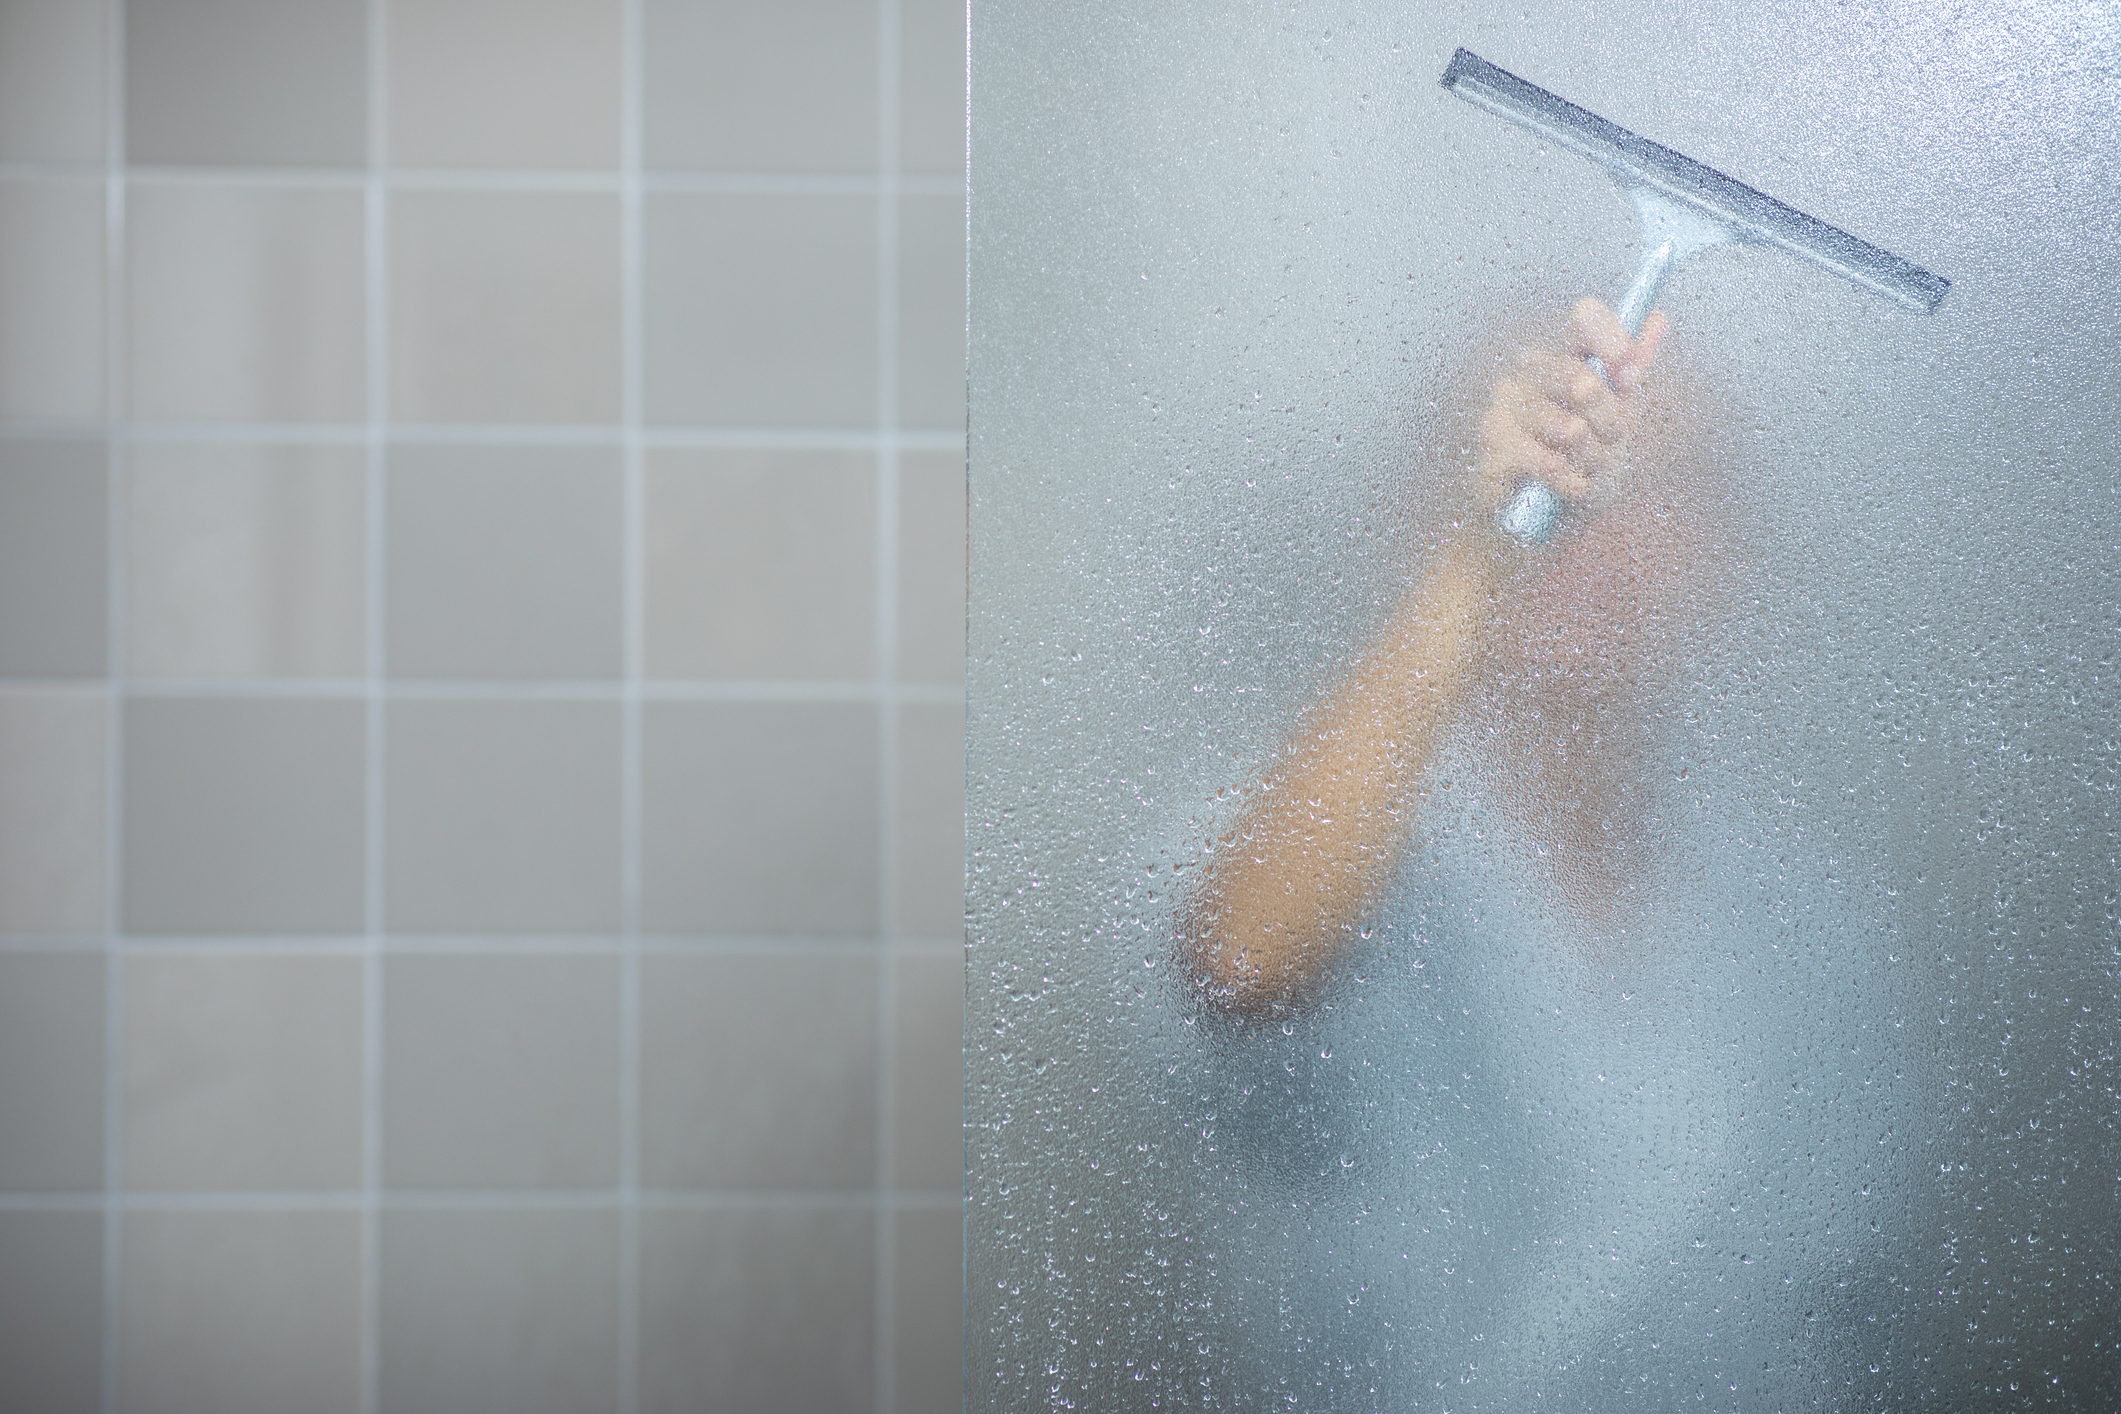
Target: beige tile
[504, 562]
[761, 85]
[502, 817]
[54, 526]
[51, 80]
[758, 1071]
[931, 822]
[927, 1103]
[53, 750]
[927, 1310]
[246, 561]
[504, 83]
[242, 1072]
[504, 307]
[931, 312]
[501, 1072]
[932, 87]
[240, 1313]
[51, 1072]
[244, 304]
[243, 816]
[757, 1311]
[51, 1311]
[279, 83]
[759, 818]
[761, 310]
[51, 298]
[499, 1312]
[931, 567]
[761, 564]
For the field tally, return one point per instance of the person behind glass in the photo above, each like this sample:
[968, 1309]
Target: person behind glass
[1559, 647]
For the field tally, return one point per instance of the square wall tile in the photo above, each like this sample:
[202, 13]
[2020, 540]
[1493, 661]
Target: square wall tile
[51, 1311]
[759, 817]
[51, 1072]
[54, 525]
[761, 85]
[242, 1072]
[505, 562]
[928, 1077]
[243, 816]
[757, 1311]
[244, 304]
[931, 119]
[761, 310]
[501, 1072]
[499, 1312]
[758, 1071]
[240, 1313]
[53, 750]
[246, 561]
[931, 312]
[51, 299]
[931, 822]
[761, 564]
[51, 80]
[928, 1310]
[931, 567]
[276, 83]
[502, 817]
[504, 83]
[504, 307]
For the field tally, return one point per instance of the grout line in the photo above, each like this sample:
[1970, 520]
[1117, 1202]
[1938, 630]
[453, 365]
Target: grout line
[485, 944]
[115, 349]
[527, 944]
[360, 1200]
[887, 535]
[376, 216]
[500, 690]
[482, 179]
[911, 438]
[631, 353]
[360, 434]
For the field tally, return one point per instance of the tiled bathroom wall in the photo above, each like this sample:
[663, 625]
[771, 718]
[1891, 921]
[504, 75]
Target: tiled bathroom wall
[481, 612]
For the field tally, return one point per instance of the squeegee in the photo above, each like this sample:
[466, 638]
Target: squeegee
[1684, 208]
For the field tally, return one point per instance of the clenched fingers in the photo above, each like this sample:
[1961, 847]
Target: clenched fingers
[1595, 331]
[1567, 381]
[1516, 448]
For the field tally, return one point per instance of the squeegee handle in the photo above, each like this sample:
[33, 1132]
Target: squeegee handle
[1641, 298]
[1534, 513]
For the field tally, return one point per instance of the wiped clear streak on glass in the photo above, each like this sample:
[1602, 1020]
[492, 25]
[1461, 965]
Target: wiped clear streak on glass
[1725, 1014]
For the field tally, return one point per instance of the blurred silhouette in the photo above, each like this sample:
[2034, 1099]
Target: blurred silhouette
[1554, 650]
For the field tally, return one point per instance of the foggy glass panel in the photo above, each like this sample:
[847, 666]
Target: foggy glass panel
[1736, 1025]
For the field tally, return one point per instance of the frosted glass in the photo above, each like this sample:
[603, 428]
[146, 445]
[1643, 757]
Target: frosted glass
[1738, 1026]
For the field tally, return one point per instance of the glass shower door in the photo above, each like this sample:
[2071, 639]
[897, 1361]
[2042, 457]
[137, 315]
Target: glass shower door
[1670, 967]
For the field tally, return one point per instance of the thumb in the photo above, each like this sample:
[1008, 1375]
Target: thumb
[1644, 352]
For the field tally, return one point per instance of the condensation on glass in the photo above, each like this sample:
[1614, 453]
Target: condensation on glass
[1738, 1027]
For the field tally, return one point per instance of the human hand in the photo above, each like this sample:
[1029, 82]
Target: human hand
[1555, 420]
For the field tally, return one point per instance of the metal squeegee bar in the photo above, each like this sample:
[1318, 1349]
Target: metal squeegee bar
[1750, 215]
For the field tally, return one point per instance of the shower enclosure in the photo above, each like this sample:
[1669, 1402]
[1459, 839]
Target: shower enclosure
[1736, 1024]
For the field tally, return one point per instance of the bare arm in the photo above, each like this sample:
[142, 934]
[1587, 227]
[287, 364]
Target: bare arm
[1332, 814]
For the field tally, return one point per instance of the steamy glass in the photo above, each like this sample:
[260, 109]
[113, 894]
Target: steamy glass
[1716, 1006]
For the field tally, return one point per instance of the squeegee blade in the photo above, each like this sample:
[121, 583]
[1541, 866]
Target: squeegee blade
[1748, 214]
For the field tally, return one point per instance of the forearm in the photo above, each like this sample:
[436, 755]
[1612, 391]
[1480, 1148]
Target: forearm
[1331, 818]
